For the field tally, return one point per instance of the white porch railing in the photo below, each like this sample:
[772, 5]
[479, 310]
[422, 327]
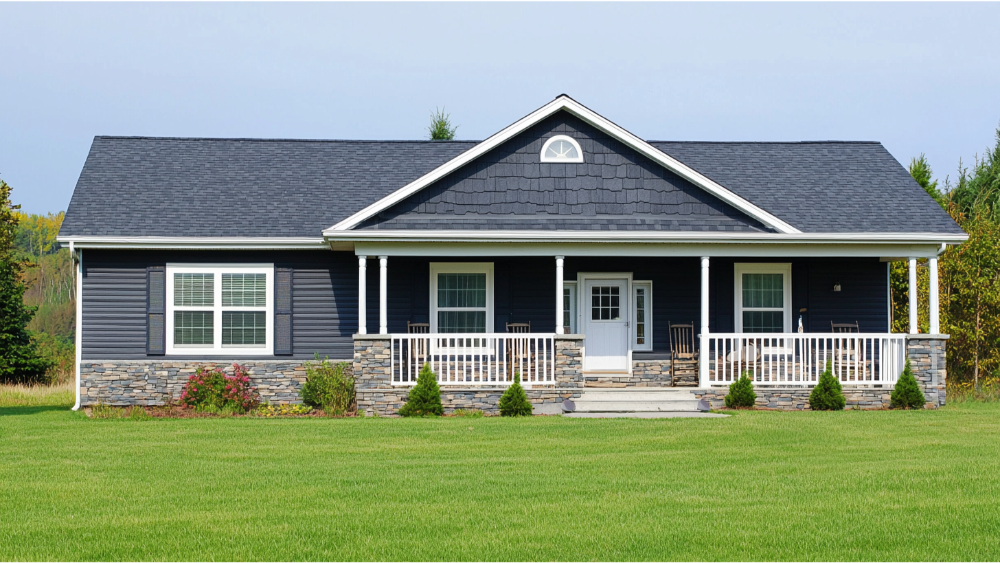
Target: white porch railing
[800, 358]
[474, 359]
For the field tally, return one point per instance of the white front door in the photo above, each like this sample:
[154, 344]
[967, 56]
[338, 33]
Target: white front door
[605, 318]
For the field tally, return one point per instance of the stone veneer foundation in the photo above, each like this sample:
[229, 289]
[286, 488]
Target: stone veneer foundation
[156, 382]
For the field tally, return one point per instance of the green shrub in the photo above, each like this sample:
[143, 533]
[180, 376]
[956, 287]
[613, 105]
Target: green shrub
[828, 395]
[425, 397]
[907, 393]
[741, 394]
[514, 401]
[328, 387]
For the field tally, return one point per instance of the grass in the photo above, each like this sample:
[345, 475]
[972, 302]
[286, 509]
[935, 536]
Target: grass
[913, 485]
[38, 395]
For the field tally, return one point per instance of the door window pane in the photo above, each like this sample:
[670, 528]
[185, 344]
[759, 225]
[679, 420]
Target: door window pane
[461, 321]
[244, 328]
[461, 290]
[194, 290]
[244, 290]
[605, 303]
[193, 328]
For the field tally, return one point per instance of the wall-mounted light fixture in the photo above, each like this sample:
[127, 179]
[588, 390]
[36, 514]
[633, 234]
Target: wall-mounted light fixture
[836, 286]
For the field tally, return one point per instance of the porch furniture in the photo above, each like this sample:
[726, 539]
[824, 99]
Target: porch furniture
[416, 348]
[683, 355]
[846, 353]
[517, 349]
[844, 327]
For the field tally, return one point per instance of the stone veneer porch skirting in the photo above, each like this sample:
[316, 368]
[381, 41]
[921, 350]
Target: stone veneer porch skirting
[156, 382]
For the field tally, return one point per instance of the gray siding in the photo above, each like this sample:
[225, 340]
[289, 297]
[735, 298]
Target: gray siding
[324, 300]
[615, 188]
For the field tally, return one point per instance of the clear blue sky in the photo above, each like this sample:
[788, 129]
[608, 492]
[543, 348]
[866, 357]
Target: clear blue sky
[918, 77]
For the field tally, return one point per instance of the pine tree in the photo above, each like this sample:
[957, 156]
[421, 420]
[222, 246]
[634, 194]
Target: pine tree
[828, 395]
[19, 359]
[425, 397]
[441, 128]
[514, 401]
[741, 393]
[921, 171]
[907, 394]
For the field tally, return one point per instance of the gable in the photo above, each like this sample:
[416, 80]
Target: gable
[615, 188]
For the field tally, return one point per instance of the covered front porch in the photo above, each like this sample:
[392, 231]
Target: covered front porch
[564, 323]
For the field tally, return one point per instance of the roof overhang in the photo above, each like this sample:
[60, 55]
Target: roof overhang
[565, 103]
[197, 243]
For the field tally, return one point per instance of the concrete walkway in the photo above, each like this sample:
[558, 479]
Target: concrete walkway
[678, 414]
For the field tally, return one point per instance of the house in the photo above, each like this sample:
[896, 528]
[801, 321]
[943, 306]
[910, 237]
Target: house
[563, 250]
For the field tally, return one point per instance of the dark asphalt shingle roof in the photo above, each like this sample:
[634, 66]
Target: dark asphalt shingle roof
[142, 186]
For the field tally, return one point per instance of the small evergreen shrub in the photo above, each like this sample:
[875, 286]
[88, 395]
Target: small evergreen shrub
[514, 401]
[907, 393]
[741, 394]
[425, 397]
[213, 388]
[328, 387]
[828, 395]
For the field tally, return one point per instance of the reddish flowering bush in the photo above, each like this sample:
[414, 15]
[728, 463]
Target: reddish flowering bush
[214, 387]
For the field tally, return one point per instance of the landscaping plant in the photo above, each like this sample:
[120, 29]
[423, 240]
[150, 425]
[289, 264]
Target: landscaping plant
[425, 397]
[828, 395]
[907, 393]
[214, 389]
[514, 401]
[741, 394]
[328, 386]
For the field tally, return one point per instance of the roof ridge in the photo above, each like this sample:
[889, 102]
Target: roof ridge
[282, 140]
[830, 142]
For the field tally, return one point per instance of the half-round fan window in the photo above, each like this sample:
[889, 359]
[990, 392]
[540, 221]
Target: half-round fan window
[561, 149]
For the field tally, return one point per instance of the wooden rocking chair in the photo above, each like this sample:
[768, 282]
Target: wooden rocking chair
[683, 355]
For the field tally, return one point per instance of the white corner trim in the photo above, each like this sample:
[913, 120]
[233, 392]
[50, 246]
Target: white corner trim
[78, 330]
[591, 117]
[197, 243]
[565, 139]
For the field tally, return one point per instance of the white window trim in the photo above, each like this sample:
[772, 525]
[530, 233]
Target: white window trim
[574, 314]
[461, 268]
[648, 309]
[785, 269]
[218, 269]
[568, 139]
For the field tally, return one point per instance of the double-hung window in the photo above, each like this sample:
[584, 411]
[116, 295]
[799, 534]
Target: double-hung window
[763, 297]
[461, 297]
[220, 309]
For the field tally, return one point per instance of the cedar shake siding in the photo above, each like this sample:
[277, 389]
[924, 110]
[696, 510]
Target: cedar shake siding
[615, 188]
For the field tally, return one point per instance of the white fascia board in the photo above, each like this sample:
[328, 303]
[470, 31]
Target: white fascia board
[197, 243]
[643, 237]
[591, 117]
[648, 250]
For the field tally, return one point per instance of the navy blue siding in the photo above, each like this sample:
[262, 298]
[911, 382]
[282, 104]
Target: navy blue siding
[614, 188]
[324, 299]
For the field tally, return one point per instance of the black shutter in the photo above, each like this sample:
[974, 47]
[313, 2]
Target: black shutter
[156, 298]
[283, 311]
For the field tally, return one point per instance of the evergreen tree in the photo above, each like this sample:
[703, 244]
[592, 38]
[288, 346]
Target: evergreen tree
[425, 397]
[741, 393]
[514, 401]
[828, 395]
[907, 394]
[19, 359]
[921, 171]
[441, 128]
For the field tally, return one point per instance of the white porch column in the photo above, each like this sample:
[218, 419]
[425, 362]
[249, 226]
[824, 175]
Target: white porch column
[932, 268]
[362, 295]
[703, 338]
[383, 313]
[913, 296]
[559, 295]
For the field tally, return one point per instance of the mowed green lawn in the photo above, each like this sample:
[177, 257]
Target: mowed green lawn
[757, 485]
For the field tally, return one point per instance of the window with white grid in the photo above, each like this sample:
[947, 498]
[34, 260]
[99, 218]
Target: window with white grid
[214, 309]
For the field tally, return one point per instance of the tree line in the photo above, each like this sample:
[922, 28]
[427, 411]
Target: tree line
[969, 274]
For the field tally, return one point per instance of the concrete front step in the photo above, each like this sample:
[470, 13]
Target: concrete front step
[636, 400]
